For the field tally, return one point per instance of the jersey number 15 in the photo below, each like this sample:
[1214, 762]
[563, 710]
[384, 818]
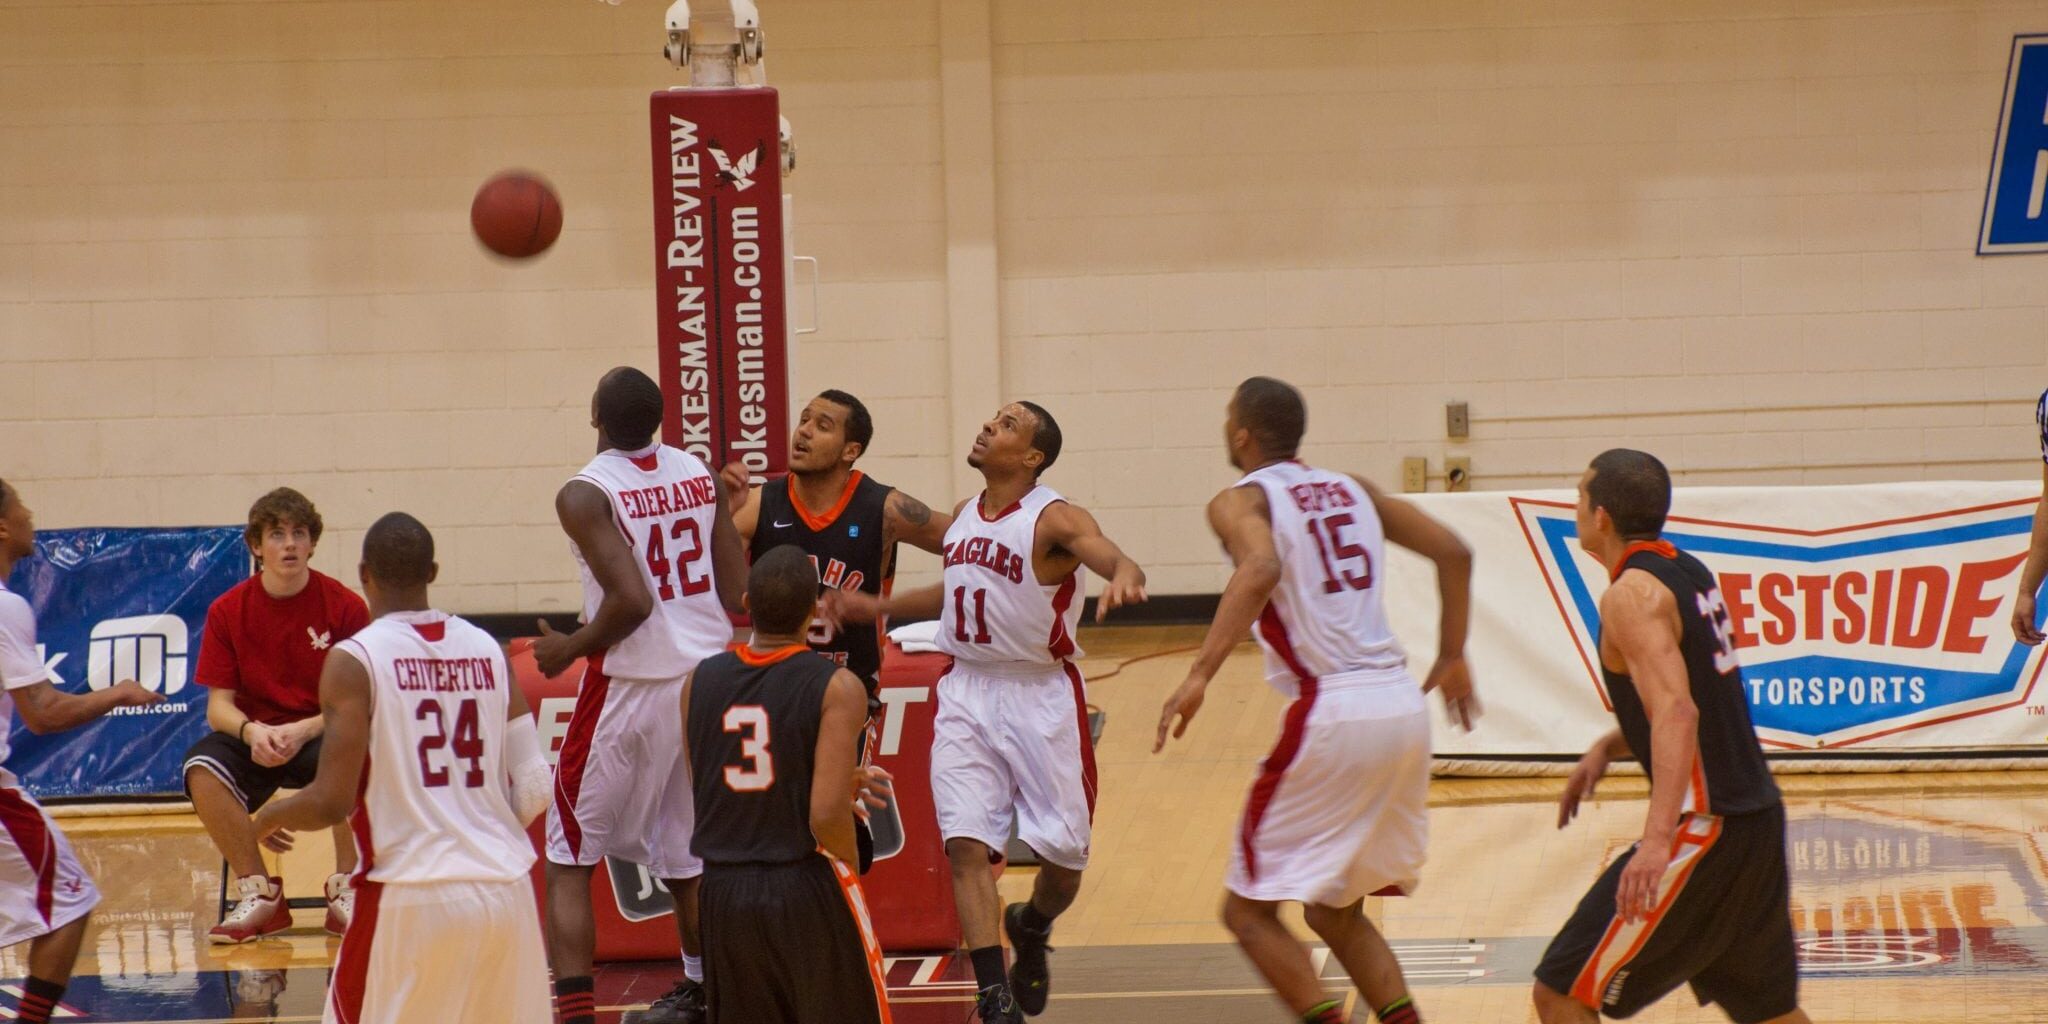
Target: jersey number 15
[1337, 553]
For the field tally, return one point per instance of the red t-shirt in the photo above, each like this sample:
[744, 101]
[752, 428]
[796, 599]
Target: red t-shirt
[270, 650]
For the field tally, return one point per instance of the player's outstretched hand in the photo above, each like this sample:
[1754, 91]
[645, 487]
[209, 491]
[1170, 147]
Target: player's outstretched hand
[130, 694]
[839, 607]
[1127, 587]
[1579, 787]
[2023, 628]
[552, 651]
[1182, 704]
[738, 480]
[1453, 678]
[1636, 896]
[873, 788]
[273, 837]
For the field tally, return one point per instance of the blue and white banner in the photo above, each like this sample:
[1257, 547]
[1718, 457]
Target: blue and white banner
[2016, 198]
[114, 604]
[1865, 617]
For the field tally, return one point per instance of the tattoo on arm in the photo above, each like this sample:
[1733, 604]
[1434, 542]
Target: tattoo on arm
[912, 511]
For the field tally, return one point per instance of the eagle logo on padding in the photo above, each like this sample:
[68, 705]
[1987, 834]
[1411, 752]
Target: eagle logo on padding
[739, 173]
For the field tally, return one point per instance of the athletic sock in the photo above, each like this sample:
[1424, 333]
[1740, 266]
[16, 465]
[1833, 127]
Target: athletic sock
[988, 967]
[576, 1000]
[1331, 1012]
[1030, 918]
[1400, 1011]
[39, 1000]
[693, 968]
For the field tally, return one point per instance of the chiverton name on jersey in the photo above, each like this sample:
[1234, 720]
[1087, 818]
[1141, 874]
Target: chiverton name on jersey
[984, 552]
[668, 500]
[445, 675]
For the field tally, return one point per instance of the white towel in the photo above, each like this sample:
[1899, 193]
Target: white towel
[917, 637]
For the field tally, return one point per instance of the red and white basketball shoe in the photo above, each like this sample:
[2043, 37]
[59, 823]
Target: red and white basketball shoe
[259, 910]
[341, 903]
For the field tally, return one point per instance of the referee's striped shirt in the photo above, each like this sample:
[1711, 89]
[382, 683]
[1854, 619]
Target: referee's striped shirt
[2041, 420]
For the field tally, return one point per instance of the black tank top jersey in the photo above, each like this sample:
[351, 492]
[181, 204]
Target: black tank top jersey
[753, 732]
[1731, 766]
[846, 543]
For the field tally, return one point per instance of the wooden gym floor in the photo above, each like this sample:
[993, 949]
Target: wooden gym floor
[1917, 897]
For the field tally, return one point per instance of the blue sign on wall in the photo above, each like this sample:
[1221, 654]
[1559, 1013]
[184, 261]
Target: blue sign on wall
[2016, 200]
[114, 604]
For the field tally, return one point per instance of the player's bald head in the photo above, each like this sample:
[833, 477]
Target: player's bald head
[1274, 413]
[628, 407]
[782, 589]
[398, 552]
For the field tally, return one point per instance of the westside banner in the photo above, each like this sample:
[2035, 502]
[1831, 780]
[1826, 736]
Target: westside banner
[1869, 618]
[114, 604]
[720, 276]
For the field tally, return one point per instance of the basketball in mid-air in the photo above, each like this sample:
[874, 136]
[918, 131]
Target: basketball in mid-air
[516, 214]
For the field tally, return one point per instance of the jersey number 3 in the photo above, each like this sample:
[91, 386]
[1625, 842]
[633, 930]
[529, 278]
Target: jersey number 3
[751, 720]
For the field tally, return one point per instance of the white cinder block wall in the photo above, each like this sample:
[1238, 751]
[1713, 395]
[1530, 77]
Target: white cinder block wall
[1737, 234]
[233, 249]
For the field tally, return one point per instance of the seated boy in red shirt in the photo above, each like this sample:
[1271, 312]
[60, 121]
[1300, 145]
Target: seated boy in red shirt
[261, 654]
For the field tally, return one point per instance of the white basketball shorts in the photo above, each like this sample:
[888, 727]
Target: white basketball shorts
[1010, 743]
[1339, 809]
[453, 952]
[622, 785]
[42, 887]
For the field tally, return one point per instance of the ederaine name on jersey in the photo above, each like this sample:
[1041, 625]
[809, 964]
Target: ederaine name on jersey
[995, 610]
[665, 502]
[434, 806]
[1327, 616]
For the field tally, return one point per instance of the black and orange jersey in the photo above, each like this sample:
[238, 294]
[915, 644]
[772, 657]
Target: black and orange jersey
[847, 545]
[1729, 775]
[752, 727]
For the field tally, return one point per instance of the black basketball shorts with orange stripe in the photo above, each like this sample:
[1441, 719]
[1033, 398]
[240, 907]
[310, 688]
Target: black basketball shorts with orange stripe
[789, 944]
[1722, 924]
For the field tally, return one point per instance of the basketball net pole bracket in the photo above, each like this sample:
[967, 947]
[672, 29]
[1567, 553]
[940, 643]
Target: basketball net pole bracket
[717, 41]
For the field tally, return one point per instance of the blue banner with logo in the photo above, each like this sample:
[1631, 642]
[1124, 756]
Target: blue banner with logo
[114, 604]
[2016, 198]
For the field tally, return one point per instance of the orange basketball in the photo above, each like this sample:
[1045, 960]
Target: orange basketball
[516, 214]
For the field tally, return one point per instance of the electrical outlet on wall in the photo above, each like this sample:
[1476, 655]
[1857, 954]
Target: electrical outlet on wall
[1414, 474]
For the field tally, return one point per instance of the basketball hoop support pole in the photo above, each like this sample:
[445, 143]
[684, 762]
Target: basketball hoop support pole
[721, 149]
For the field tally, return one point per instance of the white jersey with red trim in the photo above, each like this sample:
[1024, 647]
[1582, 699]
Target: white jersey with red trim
[995, 609]
[21, 665]
[665, 502]
[434, 806]
[1327, 616]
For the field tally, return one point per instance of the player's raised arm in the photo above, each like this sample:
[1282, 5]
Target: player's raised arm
[1639, 617]
[586, 516]
[728, 555]
[915, 523]
[345, 702]
[742, 498]
[1241, 520]
[1416, 530]
[832, 773]
[1072, 529]
[46, 709]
